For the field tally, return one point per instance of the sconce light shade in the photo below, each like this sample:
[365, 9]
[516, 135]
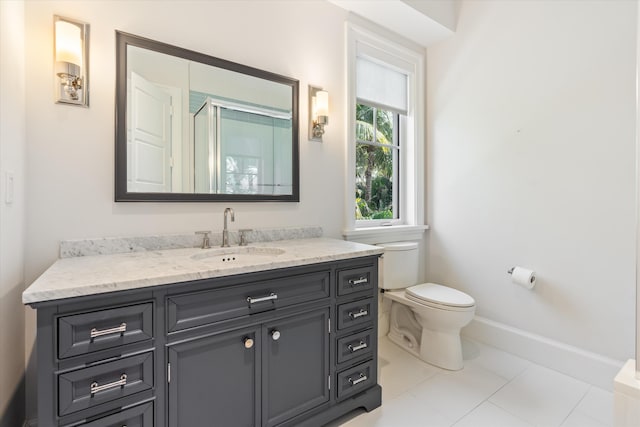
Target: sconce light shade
[322, 103]
[68, 43]
[318, 112]
[71, 52]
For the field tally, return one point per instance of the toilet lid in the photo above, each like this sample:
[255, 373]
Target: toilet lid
[438, 294]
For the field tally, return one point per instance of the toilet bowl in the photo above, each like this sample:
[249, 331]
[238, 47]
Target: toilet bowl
[441, 313]
[425, 319]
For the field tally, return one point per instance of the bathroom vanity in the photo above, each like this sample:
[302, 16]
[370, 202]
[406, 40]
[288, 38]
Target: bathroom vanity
[273, 334]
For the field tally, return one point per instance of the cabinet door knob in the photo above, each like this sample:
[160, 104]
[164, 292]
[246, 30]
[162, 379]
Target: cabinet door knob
[248, 342]
[275, 335]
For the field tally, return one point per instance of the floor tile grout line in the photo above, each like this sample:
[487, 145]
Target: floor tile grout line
[507, 381]
[503, 386]
[409, 392]
[487, 370]
[576, 407]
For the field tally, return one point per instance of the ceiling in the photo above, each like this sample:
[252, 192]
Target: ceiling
[422, 21]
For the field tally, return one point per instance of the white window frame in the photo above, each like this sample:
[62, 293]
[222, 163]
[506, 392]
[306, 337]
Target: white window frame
[410, 224]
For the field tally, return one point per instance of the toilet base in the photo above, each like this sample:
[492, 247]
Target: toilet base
[442, 349]
[401, 341]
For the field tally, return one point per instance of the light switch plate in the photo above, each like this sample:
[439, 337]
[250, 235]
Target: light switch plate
[9, 184]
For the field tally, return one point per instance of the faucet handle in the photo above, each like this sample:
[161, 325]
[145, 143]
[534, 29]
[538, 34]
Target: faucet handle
[205, 239]
[243, 236]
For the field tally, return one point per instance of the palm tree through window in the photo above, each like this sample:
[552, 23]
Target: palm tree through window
[377, 156]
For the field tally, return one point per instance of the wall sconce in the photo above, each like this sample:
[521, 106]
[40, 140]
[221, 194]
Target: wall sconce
[318, 112]
[71, 59]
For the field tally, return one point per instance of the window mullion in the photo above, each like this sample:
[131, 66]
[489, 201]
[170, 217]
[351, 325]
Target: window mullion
[397, 166]
[375, 124]
[377, 144]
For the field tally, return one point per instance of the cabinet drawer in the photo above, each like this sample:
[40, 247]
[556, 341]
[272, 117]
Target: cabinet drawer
[201, 308]
[356, 379]
[355, 313]
[355, 345]
[138, 416]
[88, 387]
[103, 329]
[355, 280]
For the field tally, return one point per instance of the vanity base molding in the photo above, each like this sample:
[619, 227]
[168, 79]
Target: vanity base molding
[368, 400]
[294, 346]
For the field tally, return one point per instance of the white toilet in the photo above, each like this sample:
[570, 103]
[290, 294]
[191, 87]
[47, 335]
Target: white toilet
[426, 318]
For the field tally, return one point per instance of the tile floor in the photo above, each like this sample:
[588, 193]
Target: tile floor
[495, 389]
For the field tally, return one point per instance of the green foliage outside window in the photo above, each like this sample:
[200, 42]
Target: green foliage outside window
[374, 163]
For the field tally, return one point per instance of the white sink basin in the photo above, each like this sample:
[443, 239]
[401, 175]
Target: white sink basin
[245, 254]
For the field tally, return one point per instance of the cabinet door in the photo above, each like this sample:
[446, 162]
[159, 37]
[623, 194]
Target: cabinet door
[295, 365]
[214, 381]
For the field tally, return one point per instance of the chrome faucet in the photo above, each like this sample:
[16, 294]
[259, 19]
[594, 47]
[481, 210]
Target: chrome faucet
[225, 232]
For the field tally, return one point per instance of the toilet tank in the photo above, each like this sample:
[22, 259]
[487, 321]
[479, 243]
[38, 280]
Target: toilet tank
[399, 265]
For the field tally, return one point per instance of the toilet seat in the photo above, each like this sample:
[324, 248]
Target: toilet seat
[438, 296]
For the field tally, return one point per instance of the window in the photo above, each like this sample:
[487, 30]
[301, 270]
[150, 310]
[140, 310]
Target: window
[385, 158]
[377, 162]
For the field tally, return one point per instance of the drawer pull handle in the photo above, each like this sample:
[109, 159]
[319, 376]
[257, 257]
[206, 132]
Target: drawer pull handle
[360, 313]
[95, 388]
[360, 379]
[359, 281]
[355, 348]
[270, 297]
[117, 330]
[248, 342]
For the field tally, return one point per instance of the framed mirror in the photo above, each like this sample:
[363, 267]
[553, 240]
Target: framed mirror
[191, 127]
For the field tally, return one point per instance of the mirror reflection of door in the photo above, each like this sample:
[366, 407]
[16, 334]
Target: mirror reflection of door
[149, 150]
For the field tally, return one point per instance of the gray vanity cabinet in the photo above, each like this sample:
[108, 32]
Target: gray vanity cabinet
[215, 378]
[223, 378]
[295, 365]
[287, 347]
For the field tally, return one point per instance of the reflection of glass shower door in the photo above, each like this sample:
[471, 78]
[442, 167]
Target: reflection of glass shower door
[205, 146]
[247, 152]
[237, 151]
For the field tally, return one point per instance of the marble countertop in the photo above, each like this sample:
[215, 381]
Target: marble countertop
[90, 275]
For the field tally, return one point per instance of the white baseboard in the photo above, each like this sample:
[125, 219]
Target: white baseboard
[583, 365]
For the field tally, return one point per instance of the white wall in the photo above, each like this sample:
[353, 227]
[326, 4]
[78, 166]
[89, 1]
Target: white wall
[12, 223]
[531, 123]
[71, 150]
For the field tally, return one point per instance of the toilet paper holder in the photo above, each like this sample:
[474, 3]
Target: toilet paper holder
[523, 277]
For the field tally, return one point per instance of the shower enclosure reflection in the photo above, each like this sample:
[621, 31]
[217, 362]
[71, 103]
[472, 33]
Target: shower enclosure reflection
[241, 149]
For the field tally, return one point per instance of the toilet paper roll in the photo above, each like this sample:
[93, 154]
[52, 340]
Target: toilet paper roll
[524, 277]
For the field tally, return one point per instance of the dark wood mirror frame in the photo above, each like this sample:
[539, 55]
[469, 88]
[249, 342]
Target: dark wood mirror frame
[122, 194]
